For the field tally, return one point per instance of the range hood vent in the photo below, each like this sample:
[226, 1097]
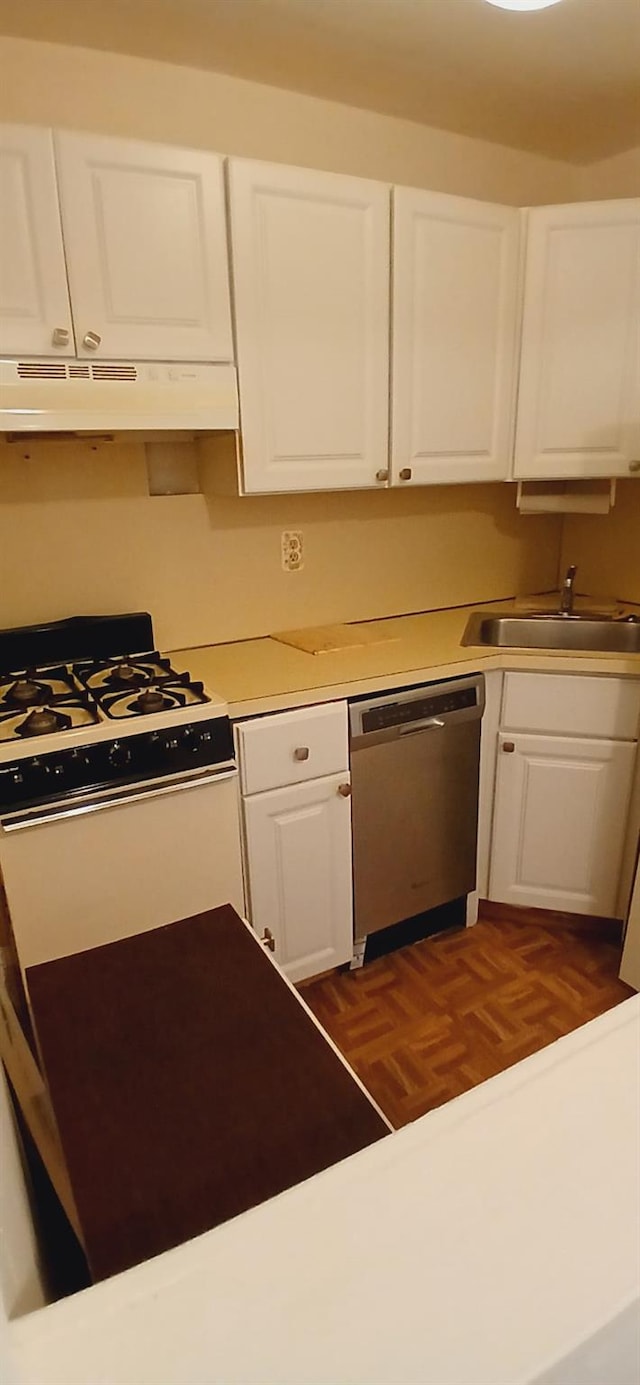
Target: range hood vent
[75, 370]
[44, 396]
[42, 370]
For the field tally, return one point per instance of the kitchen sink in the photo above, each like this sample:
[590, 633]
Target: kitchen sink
[549, 630]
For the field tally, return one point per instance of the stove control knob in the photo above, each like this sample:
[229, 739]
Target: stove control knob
[171, 743]
[119, 755]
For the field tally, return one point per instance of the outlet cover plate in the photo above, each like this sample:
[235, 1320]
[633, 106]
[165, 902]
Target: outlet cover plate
[292, 550]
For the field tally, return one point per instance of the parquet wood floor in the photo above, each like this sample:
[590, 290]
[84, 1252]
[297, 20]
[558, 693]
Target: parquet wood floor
[427, 1022]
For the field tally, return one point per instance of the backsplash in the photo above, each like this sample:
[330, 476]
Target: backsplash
[79, 533]
[607, 550]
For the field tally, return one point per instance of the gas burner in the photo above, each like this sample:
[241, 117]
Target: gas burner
[49, 715]
[128, 675]
[169, 695]
[125, 674]
[42, 721]
[152, 700]
[26, 693]
[35, 688]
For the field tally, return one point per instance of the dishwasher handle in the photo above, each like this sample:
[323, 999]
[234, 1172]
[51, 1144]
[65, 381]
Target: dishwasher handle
[425, 725]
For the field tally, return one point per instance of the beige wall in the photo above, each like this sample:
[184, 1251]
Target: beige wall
[79, 533]
[607, 548]
[209, 569]
[45, 83]
[615, 177]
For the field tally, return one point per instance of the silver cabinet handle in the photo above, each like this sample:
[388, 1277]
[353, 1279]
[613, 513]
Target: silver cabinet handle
[268, 940]
[91, 340]
[405, 474]
[634, 467]
[508, 747]
[60, 336]
[383, 474]
[344, 790]
[301, 752]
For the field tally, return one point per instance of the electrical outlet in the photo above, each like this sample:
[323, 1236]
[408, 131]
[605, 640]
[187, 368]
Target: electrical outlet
[292, 551]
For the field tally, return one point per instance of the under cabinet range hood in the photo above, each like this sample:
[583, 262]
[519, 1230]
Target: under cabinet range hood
[54, 396]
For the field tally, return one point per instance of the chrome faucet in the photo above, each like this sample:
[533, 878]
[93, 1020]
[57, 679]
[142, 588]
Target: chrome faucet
[567, 592]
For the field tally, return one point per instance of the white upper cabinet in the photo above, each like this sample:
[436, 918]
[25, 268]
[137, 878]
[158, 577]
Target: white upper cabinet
[145, 236]
[579, 395]
[455, 321]
[35, 317]
[311, 299]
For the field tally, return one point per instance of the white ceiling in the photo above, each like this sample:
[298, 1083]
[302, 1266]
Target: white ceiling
[564, 81]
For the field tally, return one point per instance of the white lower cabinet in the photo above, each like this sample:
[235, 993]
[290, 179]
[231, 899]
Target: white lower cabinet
[562, 799]
[299, 858]
[560, 819]
[297, 835]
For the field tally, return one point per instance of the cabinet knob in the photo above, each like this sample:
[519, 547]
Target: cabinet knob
[634, 467]
[405, 474]
[344, 790]
[508, 747]
[383, 474]
[301, 752]
[60, 336]
[268, 940]
[91, 340]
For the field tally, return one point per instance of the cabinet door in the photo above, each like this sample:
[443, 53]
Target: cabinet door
[144, 229]
[299, 867]
[579, 394]
[311, 301]
[559, 824]
[35, 317]
[455, 318]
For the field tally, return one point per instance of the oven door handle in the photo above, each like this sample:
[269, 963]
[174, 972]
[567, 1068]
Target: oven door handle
[38, 817]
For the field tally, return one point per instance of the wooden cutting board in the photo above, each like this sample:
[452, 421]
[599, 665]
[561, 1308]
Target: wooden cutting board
[329, 639]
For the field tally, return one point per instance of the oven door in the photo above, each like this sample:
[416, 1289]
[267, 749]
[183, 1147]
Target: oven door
[88, 874]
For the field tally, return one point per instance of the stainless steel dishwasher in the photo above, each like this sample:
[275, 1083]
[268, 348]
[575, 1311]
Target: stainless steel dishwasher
[415, 762]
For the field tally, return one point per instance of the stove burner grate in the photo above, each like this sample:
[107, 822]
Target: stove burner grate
[36, 688]
[42, 721]
[125, 674]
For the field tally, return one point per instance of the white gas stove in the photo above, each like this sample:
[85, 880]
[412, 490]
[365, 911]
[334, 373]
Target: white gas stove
[93, 718]
[72, 732]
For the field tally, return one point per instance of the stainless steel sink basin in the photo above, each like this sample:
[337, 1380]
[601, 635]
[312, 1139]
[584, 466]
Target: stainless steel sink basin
[551, 631]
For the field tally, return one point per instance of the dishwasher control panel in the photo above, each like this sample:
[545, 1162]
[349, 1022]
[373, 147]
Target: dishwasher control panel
[460, 699]
[399, 713]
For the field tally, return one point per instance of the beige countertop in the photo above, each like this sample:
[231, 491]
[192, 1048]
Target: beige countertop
[263, 675]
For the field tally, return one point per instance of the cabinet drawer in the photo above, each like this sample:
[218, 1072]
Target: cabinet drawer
[292, 747]
[572, 705]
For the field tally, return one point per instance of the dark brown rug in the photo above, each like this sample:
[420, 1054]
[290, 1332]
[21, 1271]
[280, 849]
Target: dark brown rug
[188, 1084]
